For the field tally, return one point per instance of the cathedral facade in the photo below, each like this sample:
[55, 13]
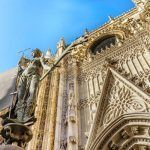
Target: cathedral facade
[98, 96]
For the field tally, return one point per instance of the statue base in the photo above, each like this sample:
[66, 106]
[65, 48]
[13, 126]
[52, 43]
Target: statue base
[16, 134]
[10, 147]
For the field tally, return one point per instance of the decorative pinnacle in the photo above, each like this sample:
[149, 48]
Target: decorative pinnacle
[61, 43]
[86, 31]
[48, 53]
[111, 19]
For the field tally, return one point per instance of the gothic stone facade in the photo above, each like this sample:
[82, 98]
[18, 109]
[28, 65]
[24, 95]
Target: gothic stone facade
[99, 97]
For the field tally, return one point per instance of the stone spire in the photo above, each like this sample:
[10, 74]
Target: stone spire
[48, 54]
[111, 19]
[86, 32]
[61, 43]
[60, 47]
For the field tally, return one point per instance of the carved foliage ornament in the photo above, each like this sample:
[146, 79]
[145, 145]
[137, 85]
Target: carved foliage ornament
[80, 51]
[121, 30]
[145, 15]
[121, 100]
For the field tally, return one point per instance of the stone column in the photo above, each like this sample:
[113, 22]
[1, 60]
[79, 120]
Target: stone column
[36, 140]
[62, 86]
[73, 121]
[48, 112]
[50, 140]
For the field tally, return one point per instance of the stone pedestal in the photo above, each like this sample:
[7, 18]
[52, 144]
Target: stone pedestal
[10, 147]
[15, 134]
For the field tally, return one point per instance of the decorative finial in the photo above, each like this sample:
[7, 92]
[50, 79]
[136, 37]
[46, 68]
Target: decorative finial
[61, 43]
[48, 54]
[86, 32]
[111, 19]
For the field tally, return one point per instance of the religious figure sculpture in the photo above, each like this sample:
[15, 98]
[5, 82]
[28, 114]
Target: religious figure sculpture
[27, 87]
[72, 106]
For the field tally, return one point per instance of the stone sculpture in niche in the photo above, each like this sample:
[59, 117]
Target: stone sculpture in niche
[72, 104]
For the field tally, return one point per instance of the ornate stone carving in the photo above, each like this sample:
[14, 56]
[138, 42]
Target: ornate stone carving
[72, 104]
[145, 15]
[27, 88]
[124, 134]
[73, 139]
[120, 101]
[113, 146]
[114, 88]
[135, 131]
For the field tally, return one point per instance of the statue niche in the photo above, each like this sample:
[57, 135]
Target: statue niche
[15, 127]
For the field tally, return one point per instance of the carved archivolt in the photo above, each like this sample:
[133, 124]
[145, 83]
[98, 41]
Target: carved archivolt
[131, 62]
[131, 131]
[118, 97]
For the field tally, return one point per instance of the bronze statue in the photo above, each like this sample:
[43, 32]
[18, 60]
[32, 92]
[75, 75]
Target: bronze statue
[27, 87]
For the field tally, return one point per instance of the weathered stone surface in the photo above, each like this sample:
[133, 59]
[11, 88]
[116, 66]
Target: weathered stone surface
[103, 99]
[10, 147]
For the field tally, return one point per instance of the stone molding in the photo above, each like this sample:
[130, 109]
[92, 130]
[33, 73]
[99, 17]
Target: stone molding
[139, 120]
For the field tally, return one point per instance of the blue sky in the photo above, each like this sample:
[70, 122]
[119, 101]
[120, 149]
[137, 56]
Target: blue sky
[41, 23]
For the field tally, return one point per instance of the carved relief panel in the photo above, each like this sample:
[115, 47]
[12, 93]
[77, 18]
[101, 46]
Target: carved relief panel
[131, 60]
[122, 100]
